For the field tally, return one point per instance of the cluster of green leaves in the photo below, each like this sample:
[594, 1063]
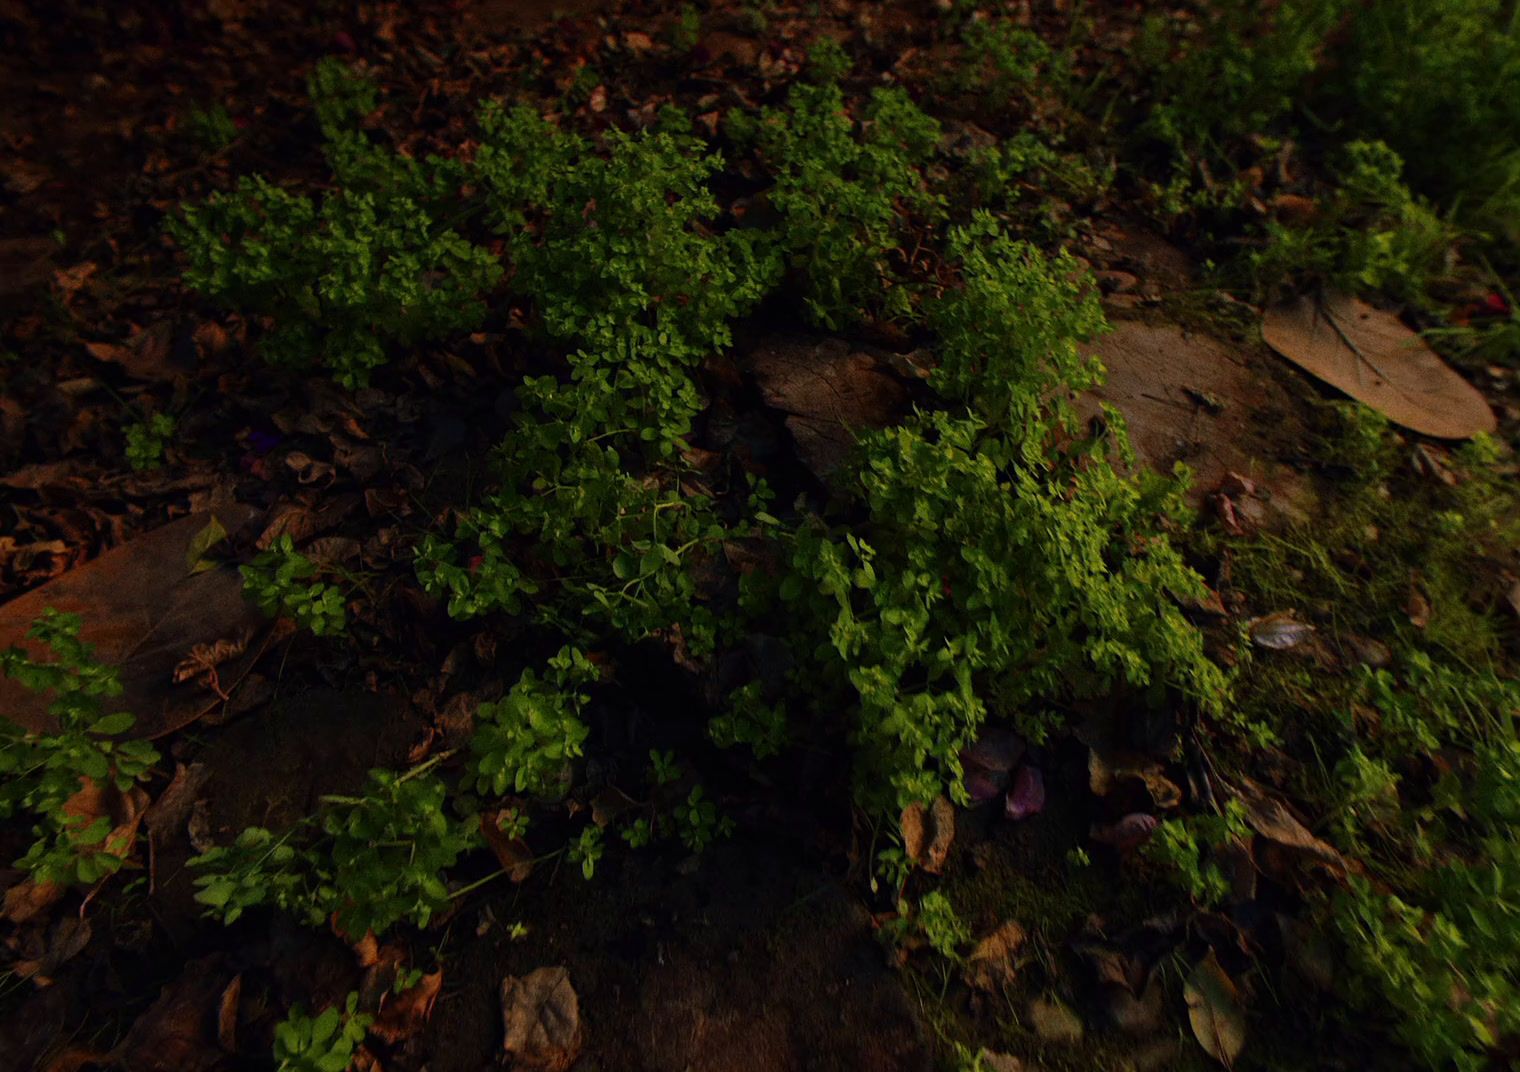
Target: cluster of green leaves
[147, 439]
[373, 860]
[1183, 846]
[1420, 762]
[44, 773]
[280, 581]
[321, 1043]
[1371, 235]
[368, 266]
[1002, 558]
[844, 187]
[595, 522]
[1003, 62]
[524, 742]
[618, 245]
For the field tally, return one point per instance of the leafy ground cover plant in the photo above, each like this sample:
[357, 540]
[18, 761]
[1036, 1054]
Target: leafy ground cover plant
[366, 267]
[926, 625]
[147, 439]
[321, 1043]
[369, 861]
[280, 581]
[1416, 734]
[842, 185]
[51, 776]
[524, 741]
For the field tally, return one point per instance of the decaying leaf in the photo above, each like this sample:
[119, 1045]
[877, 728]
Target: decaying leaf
[543, 1020]
[1271, 819]
[1371, 356]
[404, 1015]
[1280, 631]
[994, 962]
[227, 1015]
[1214, 1010]
[928, 833]
[514, 854]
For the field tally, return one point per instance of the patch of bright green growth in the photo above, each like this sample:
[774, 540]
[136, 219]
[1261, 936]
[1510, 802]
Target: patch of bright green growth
[1439, 81]
[41, 773]
[279, 580]
[321, 1043]
[1238, 70]
[374, 860]
[619, 244]
[1373, 235]
[343, 279]
[842, 187]
[524, 741]
[942, 927]
[1003, 62]
[1005, 561]
[582, 526]
[211, 127]
[1420, 764]
[146, 441]
[587, 849]
[699, 822]
[748, 719]
[1182, 846]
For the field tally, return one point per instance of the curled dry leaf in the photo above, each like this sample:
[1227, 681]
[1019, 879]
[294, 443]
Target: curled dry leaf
[403, 1016]
[1280, 631]
[514, 854]
[1271, 818]
[543, 1020]
[1371, 356]
[994, 962]
[928, 833]
[227, 1015]
[1128, 833]
[1214, 1010]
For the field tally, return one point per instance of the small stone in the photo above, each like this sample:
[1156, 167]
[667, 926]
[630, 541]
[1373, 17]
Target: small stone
[1053, 1021]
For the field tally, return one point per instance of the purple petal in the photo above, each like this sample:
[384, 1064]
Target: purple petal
[1027, 797]
[982, 785]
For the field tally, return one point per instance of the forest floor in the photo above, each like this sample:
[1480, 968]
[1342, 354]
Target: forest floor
[781, 946]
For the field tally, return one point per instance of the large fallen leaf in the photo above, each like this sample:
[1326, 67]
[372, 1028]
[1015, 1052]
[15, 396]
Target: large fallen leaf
[144, 611]
[1271, 818]
[543, 1020]
[1214, 1010]
[1374, 358]
[927, 833]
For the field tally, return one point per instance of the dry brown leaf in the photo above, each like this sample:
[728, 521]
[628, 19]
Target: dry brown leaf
[927, 833]
[1371, 356]
[543, 1020]
[514, 854]
[994, 961]
[404, 1015]
[1271, 818]
[227, 1015]
[1214, 1011]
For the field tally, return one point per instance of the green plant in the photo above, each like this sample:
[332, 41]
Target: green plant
[750, 720]
[843, 187]
[686, 31]
[279, 580]
[1373, 234]
[146, 441]
[321, 1043]
[663, 768]
[586, 849]
[699, 823]
[1003, 61]
[1003, 559]
[369, 861]
[211, 127]
[524, 742]
[1180, 846]
[941, 925]
[67, 779]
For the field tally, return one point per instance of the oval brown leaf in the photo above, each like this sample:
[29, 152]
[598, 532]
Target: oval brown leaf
[1371, 356]
[1214, 1011]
